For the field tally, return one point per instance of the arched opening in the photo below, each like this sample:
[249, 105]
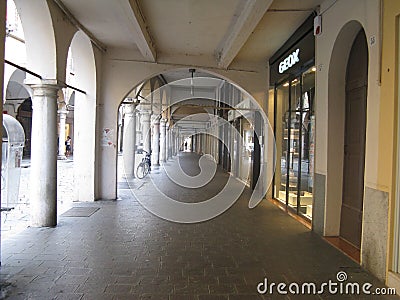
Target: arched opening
[354, 141]
[176, 121]
[24, 116]
[38, 37]
[348, 74]
[30, 44]
[18, 103]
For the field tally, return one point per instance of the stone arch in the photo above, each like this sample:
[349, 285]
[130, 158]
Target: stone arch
[15, 87]
[236, 78]
[119, 79]
[17, 103]
[39, 37]
[152, 83]
[84, 78]
[48, 35]
[336, 122]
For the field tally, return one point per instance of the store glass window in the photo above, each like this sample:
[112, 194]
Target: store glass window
[281, 131]
[294, 133]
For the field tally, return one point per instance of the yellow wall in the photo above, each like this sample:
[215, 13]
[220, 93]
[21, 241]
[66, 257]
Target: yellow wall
[388, 108]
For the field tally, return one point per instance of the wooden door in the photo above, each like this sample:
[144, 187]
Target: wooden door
[354, 142]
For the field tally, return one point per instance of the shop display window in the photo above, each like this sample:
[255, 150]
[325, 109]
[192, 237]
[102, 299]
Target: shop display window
[294, 132]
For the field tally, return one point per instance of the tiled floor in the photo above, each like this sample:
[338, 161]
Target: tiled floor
[124, 252]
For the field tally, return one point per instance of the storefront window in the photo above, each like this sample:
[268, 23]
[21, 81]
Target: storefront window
[294, 132]
[281, 129]
[307, 136]
[248, 146]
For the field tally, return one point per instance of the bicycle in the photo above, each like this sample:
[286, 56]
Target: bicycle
[144, 166]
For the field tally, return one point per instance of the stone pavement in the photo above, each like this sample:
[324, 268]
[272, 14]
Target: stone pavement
[122, 251]
[17, 219]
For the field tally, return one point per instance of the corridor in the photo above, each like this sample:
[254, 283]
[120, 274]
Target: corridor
[122, 251]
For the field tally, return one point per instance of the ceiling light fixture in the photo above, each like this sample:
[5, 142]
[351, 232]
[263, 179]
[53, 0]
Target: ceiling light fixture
[191, 81]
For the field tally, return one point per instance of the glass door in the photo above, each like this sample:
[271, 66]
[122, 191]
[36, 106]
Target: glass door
[294, 143]
[294, 133]
[307, 125]
[281, 136]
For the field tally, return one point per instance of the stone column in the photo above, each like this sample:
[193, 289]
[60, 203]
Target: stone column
[173, 143]
[155, 145]
[163, 140]
[120, 130]
[177, 142]
[170, 143]
[138, 133]
[62, 114]
[44, 153]
[129, 141]
[167, 141]
[146, 133]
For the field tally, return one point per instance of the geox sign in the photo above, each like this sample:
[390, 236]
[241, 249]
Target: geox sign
[289, 61]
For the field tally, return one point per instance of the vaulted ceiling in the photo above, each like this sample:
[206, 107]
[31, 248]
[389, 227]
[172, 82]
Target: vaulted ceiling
[223, 33]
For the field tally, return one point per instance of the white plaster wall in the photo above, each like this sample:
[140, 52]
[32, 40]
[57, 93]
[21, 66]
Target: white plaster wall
[119, 76]
[340, 24]
[333, 20]
[84, 117]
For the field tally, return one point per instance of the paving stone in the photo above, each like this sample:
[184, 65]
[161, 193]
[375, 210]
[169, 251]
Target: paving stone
[213, 297]
[118, 289]
[99, 296]
[69, 296]
[124, 252]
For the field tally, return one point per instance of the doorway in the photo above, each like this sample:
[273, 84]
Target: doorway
[354, 142]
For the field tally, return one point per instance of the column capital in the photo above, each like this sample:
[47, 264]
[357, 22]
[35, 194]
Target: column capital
[44, 84]
[155, 119]
[145, 115]
[45, 88]
[163, 122]
[62, 112]
[130, 108]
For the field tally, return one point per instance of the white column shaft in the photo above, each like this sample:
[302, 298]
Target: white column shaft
[61, 134]
[163, 140]
[129, 141]
[44, 156]
[146, 133]
[167, 142]
[155, 145]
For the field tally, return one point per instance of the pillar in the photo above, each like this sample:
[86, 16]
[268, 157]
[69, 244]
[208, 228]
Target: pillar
[146, 133]
[129, 141]
[138, 137]
[155, 145]
[163, 140]
[120, 131]
[173, 142]
[44, 154]
[62, 115]
[167, 141]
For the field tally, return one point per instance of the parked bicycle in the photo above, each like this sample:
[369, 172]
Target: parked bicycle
[144, 166]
